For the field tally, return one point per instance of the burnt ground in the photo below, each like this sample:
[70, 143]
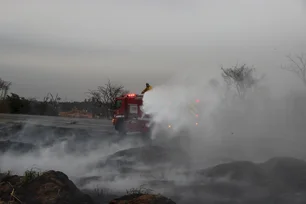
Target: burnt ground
[47, 187]
[104, 167]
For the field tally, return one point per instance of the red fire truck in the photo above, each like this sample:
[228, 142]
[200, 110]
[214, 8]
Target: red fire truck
[128, 115]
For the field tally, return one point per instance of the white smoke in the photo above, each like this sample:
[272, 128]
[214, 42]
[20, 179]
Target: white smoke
[60, 157]
[185, 102]
[262, 126]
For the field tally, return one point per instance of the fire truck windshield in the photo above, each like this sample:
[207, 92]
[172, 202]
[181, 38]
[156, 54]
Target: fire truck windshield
[118, 104]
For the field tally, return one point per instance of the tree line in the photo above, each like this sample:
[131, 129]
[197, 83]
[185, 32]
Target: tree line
[239, 78]
[99, 101]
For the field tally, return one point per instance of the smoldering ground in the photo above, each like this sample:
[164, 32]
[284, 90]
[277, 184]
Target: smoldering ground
[92, 162]
[269, 122]
[262, 126]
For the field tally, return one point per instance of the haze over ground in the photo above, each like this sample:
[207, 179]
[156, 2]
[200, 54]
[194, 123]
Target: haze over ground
[68, 47]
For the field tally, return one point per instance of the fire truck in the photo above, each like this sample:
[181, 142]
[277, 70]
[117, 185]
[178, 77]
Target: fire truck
[129, 117]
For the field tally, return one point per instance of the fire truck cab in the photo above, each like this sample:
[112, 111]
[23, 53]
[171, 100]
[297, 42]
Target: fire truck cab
[128, 115]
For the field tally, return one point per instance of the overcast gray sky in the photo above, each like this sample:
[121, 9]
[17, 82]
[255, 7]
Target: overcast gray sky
[68, 47]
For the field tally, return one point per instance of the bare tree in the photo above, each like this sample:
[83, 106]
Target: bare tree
[106, 95]
[298, 67]
[241, 77]
[4, 87]
[52, 101]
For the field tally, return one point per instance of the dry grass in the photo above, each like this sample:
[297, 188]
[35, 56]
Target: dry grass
[30, 175]
[139, 191]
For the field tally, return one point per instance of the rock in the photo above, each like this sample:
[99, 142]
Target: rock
[142, 199]
[52, 187]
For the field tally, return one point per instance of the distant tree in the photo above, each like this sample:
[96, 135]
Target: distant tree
[4, 87]
[297, 66]
[106, 95]
[32, 99]
[240, 77]
[51, 104]
[17, 104]
[52, 100]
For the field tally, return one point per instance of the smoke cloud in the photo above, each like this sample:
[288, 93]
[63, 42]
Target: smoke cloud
[185, 103]
[261, 126]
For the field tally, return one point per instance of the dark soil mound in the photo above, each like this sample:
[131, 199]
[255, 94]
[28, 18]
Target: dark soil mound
[142, 199]
[243, 171]
[281, 172]
[278, 180]
[288, 174]
[52, 187]
[146, 157]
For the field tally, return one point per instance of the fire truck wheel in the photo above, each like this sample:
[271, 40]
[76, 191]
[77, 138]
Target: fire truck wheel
[120, 127]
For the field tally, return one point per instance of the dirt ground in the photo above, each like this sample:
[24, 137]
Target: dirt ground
[89, 169]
